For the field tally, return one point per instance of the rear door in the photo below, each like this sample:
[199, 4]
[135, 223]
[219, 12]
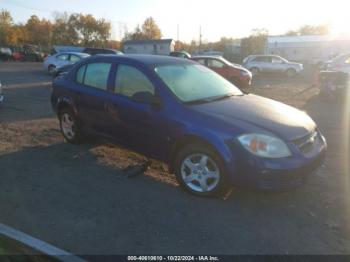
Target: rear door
[277, 65]
[263, 63]
[94, 81]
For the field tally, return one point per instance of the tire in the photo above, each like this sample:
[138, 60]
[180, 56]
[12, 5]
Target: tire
[291, 72]
[204, 181]
[51, 69]
[255, 71]
[69, 126]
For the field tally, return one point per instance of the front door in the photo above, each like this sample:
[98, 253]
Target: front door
[139, 125]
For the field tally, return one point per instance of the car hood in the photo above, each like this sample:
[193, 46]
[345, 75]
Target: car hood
[285, 121]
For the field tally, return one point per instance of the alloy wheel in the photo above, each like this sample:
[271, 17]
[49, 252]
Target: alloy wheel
[200, 173]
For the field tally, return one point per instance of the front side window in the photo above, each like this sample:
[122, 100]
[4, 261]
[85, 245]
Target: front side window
[130, 81]
[276, 60]
[191, 82]
[96, 75]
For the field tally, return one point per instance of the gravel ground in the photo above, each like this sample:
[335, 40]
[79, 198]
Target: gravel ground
[79, 199]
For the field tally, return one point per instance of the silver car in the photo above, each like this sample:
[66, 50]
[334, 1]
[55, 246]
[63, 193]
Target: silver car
[340, 63]
[62, 59]
[271, 64]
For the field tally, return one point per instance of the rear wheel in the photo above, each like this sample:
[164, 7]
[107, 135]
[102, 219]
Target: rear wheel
[199, 170]
[69, 126]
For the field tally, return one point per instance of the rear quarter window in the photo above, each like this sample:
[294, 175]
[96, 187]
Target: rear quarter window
[79, 78]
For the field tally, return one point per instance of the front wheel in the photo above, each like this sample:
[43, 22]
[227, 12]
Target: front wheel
[51, 69]
[69, 126]
[199, 170]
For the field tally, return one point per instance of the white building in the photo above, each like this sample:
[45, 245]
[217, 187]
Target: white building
[308, 48]
[152, 47]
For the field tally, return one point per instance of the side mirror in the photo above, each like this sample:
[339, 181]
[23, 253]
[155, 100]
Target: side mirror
[146, 98]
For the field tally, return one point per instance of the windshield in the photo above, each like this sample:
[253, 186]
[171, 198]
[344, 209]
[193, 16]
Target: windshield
[191, 82]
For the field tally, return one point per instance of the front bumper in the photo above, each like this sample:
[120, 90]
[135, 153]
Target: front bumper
[274, 174]
[282, 179]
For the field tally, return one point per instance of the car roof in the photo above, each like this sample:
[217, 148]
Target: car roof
[148, 60]
[206, 57]
[72, 53]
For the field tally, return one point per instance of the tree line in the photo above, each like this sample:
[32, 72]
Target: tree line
[85, 30]
[69, 29]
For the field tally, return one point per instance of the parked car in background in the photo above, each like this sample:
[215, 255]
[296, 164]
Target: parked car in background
[1, 95]
[340, 63]
[271, 64]
[62, 70]
[182, 54]
[101, 51]
[5, 54]
[62, 59]
[180, 112]
[235, 73]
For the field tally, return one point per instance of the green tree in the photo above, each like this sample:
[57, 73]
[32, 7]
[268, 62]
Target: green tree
[39, 30]
[6, 23]
[150, 29]
[255, 43]
[63, 32]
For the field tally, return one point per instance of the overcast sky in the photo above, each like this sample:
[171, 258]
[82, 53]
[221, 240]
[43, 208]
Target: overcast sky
[231, 18]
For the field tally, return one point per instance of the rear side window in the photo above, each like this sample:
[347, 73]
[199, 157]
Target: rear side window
[130, 81]
[201, 61]
[74, 58]
[215, 63]
[80, 75]
[63, 57]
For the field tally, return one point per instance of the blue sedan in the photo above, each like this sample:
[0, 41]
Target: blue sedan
[209, 133]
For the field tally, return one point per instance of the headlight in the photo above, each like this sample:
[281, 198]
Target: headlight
[264, 145]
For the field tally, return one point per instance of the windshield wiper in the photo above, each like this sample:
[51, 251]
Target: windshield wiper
[210, 99]
[221, 97]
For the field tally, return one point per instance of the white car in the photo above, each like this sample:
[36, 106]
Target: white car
[340, 63]
[62, 59]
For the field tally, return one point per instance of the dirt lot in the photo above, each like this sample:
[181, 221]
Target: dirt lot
[78, 198]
